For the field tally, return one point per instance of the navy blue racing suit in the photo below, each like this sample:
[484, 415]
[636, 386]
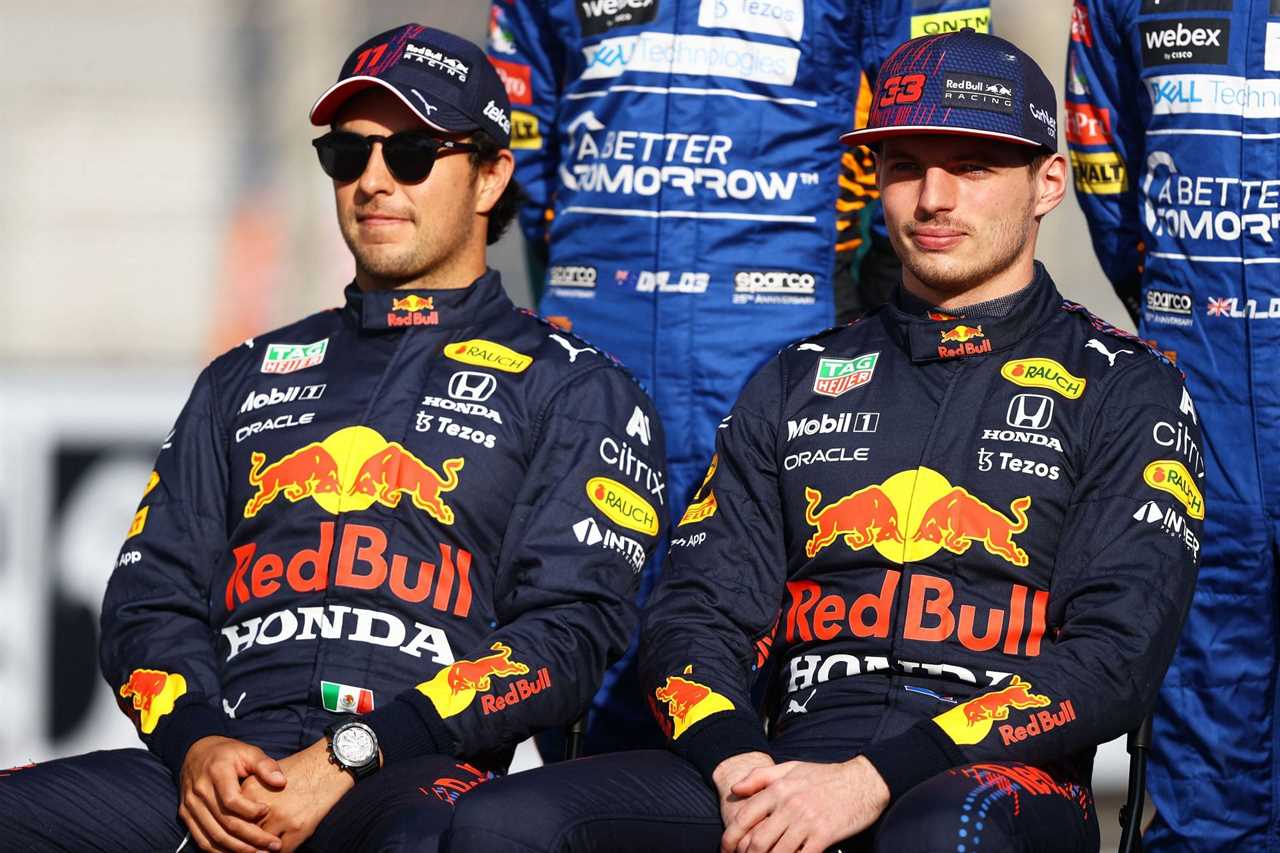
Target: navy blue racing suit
[429, 508]
[1174, 126]
[960, 542]
[686, 179]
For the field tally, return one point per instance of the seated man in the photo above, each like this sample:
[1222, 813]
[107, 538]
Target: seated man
[382, 545]
[950, 525]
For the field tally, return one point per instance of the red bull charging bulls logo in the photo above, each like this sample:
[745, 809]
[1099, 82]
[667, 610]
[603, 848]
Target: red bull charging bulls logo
[454, 688]
[938, 514]
[688, 701]
[153, 693]
[970, 722]
[385, 473]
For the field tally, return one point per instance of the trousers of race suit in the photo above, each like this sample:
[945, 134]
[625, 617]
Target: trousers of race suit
[126, 801]
[647, 800]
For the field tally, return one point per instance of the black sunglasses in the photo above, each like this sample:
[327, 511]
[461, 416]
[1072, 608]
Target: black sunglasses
[409, 154]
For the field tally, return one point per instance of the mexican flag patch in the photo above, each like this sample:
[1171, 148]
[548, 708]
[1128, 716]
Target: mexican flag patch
[345, 699]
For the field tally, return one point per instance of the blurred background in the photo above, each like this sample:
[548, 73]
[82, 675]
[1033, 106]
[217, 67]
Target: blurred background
[165, 204]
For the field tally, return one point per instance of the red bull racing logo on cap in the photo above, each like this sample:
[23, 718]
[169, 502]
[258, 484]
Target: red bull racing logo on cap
[689, 702]
[386, 472]
[970, 722]
[153, 693]
[454, 688]
[938, 514]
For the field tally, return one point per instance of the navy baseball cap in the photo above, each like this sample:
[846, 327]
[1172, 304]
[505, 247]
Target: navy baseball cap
[445, 80]
[967, 83]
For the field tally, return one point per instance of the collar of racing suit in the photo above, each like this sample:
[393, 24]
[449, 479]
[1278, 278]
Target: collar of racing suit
[929, 335]
[395, 310]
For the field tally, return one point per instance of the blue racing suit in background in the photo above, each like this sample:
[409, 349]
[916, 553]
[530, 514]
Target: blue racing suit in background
[684, 169]
[1174, 125]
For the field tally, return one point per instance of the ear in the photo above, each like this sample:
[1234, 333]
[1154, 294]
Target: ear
[1051, 184]
[492, 179]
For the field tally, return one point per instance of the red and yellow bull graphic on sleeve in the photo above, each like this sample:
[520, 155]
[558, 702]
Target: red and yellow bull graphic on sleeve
[970, 722]
[938, 514]
[154, 693]
[352, 469]
[689, 702]
[454, 688]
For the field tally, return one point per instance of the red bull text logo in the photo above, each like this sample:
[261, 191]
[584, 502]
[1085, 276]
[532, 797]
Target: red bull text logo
[387, 472]
[689, 702]
[970, 722]
[453, 688]
[933, 615]
[153, 693]
[953, 519]
[1172, 477]
[1038, 723]
[414, 306]
[362, 564]
[964, 336]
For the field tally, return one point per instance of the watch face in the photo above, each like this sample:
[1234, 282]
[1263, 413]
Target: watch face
[354, 745]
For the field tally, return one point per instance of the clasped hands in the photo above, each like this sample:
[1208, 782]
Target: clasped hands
[782, 808]
[234, 798]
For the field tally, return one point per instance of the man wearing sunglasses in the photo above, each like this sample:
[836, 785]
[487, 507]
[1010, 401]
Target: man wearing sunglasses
[383, 544]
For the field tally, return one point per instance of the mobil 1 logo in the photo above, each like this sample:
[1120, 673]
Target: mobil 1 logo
[600, 16]
[1194, 41]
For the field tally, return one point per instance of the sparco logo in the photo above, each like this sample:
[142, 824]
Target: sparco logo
[572, 276]
[600, 16]
[974, 91]
[774, 281]
[494, 113]
[1168, 302]
[1173, 42]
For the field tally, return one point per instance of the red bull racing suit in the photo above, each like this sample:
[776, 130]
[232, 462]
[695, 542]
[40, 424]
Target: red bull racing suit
[1174, 125]
[685, 176]
[429, 508]
[966, 547]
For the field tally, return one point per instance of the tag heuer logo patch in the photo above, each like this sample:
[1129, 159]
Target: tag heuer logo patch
[838, 375]
[288, 358]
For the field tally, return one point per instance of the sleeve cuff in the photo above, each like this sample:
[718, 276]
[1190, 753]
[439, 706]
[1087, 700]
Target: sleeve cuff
[407, 729]
[906, 760]
[721, 737]
[183, 727]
